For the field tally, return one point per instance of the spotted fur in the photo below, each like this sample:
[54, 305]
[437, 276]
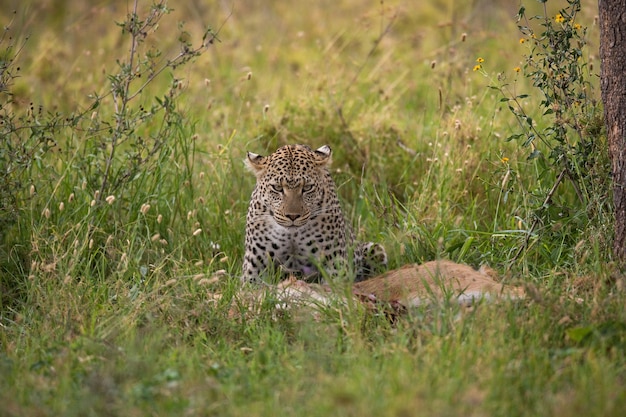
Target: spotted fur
[295, 223]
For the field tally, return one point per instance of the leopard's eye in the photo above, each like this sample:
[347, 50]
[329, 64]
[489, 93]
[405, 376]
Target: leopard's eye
[307, 187]
[277, 188]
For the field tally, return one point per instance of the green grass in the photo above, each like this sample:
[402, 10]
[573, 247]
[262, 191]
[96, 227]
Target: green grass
[111, 309]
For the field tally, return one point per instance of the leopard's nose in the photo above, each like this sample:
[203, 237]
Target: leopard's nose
[292, 217]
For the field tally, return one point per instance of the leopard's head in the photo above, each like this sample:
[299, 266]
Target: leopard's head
[293, 183]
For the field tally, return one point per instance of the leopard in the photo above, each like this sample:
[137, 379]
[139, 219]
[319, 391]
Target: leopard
[295, 225]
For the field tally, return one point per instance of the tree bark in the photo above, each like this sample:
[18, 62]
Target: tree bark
[612, 15]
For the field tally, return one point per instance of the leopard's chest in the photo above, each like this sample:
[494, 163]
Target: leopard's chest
[299, 249]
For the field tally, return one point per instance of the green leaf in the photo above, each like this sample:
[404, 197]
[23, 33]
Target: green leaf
[513, 137]
[466, 246]
[609, 333]
[531, 137]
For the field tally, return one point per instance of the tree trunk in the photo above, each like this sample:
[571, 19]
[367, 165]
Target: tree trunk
[612, 14]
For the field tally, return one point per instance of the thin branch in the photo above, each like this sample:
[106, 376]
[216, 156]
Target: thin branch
[536, 221]
[339, 107]
[371, 52]
[120, 114]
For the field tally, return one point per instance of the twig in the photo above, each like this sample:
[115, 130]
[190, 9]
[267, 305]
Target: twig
[339, 107]
[536, 221]
[120, 114]
[371, 52]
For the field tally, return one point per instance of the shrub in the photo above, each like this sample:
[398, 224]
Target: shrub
[97, 169]
[567, 145]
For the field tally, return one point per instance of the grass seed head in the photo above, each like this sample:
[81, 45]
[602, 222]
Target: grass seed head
[206, 281]
[144, 208]
[505, 180]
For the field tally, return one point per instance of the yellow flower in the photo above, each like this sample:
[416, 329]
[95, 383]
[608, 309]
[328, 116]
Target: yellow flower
[477, 67]
[517, 69]
[559, 18]
[522, 40]
[505, 159]
[577, 26]
[480, 60]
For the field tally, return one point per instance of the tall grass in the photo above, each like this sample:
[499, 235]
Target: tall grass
[122, 224]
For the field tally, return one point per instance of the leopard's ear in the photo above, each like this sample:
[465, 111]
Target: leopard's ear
[255, 163]
[323, 155]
